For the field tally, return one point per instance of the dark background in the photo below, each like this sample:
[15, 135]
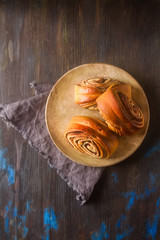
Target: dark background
[39, 41]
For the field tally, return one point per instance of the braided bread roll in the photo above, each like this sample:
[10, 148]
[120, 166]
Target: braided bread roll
[91, 137]
[89, 90]
[120, 112]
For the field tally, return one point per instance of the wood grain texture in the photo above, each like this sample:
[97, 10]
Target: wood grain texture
[39, 41]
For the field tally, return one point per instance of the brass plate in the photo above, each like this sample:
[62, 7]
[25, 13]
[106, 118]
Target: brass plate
[60, 108]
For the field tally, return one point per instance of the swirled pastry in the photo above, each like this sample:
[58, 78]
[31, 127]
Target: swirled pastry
[120, 112]
[91, 136]
[89, 90]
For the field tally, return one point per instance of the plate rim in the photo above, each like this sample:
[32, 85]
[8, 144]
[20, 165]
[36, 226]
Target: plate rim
[85, 65]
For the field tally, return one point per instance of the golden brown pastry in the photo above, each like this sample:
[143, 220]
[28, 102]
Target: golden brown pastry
[91, 137]
[89, 90]
[120, 112]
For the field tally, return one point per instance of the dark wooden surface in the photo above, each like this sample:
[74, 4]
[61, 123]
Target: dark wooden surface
[39, 41]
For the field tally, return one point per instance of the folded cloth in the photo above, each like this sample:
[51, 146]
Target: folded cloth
[28, 117]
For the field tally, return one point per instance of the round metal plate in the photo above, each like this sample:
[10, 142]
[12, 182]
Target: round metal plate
[61, 107]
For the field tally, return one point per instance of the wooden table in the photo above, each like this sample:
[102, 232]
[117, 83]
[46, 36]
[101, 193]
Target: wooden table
[40, 41]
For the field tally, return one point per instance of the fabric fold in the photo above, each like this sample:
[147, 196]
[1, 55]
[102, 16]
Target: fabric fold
[28, 118]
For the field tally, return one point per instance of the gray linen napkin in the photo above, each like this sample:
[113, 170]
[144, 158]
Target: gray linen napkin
[28, 117]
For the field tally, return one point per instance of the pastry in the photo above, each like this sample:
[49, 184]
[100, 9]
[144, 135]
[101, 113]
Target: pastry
[91, 136]
[119, 111]
[89, 90]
